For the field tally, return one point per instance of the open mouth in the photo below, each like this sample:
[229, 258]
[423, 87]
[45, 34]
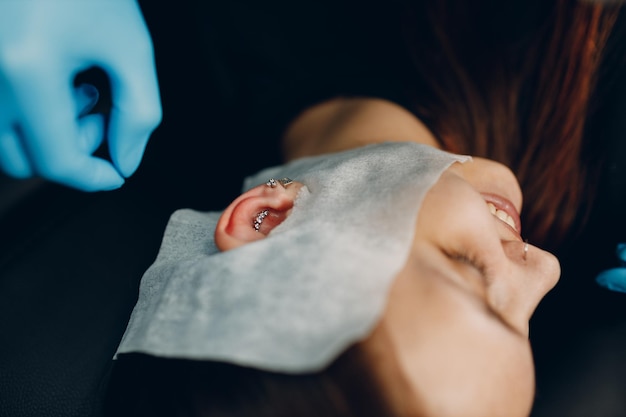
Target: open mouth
[504, 210]
[502, 215]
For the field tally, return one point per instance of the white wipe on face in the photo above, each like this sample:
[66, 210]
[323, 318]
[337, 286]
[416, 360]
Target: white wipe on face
[317, 284]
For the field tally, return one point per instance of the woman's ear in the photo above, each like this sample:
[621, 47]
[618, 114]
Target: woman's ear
[254, 214]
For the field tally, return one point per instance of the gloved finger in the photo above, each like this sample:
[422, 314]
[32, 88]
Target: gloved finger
[13, 159]
[136, 105]
[51, 135]
[91, 132]
[86, 97]
[89, 173]
[91, 127]
[613, 279]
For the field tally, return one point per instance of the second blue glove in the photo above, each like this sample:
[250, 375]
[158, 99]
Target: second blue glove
[614, 279]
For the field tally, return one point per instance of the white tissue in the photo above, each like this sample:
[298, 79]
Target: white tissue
[317, 284]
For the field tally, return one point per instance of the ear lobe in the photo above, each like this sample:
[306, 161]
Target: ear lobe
[266, 206]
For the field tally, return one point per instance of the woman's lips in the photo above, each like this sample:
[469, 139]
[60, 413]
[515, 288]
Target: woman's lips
[505, 211]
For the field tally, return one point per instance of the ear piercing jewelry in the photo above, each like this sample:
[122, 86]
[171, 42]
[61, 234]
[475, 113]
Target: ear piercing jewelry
[525, 248]
[284, 182]
[272, 183]
[259, 219]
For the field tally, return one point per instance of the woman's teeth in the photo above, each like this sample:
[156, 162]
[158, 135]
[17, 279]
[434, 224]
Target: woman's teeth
[502, 215]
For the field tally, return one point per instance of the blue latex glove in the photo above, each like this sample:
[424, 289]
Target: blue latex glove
[44, 44]
[614, 279]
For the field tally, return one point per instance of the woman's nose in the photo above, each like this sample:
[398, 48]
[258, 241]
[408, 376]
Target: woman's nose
[534, 272]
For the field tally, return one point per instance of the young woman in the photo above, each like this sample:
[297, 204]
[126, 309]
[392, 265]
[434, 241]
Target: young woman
[519, 92]
[390, 279]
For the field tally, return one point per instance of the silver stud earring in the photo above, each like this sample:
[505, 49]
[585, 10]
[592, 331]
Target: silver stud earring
[285, 181]
[273, 182]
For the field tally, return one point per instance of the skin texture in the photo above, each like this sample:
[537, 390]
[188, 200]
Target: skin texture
[457, 316]
[454, 339]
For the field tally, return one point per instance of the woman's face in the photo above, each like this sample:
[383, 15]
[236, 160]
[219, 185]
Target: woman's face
[456, 324]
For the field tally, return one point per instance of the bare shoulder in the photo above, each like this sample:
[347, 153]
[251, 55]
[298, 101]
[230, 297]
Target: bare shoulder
[345, 123]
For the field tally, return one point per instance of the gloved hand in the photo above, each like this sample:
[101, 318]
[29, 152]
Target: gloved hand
[614, 279]
[43, 46]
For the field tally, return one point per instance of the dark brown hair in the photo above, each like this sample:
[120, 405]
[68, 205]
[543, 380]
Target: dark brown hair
[143, 386]
[512, 81]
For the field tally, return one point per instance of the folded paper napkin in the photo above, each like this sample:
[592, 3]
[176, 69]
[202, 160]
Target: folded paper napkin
[317, 284]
